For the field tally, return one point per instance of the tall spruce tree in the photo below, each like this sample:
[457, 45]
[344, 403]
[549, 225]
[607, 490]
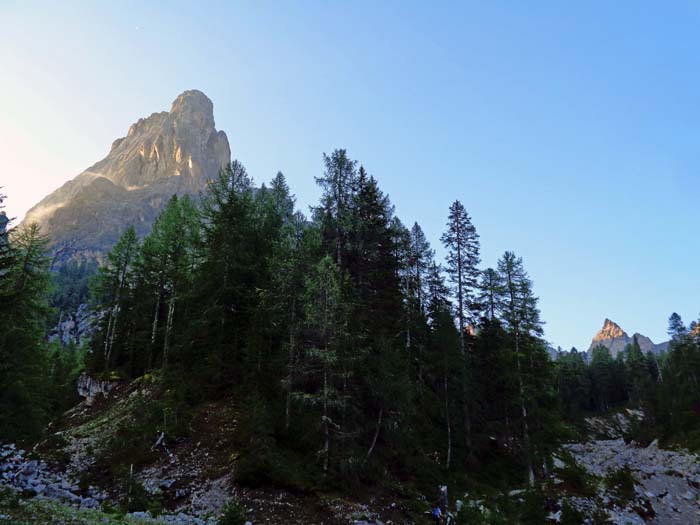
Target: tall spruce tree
[225, 296]
[462, 244]
[489, 291]
[418, 262]
[338, 184]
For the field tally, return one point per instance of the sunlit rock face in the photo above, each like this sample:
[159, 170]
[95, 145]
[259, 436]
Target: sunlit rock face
[168, 153]
[610, 330]
[616, 339]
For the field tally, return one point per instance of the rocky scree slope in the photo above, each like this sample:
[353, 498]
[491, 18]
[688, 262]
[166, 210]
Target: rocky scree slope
[191, 478]
[627, 483]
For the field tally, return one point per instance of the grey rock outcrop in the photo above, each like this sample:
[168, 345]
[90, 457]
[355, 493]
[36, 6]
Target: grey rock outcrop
[89, 388]
[615, 339]
[167, 153]
[74, 327]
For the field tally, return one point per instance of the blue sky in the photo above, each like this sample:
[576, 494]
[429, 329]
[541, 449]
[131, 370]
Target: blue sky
[571, 133]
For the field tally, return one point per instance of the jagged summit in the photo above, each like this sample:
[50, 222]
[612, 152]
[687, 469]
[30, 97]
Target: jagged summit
[610, 330]
[616, 339]
[167, 153]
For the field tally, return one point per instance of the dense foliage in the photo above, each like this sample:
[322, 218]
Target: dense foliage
[338, 333]
[350, 353]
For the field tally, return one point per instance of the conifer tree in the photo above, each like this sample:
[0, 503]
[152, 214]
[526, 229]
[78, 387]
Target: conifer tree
[639, 380]
[573, 383]
[445, 364]
[375, 293]
[420, 259]
[225, 293]
[23, 366]
[462, 244]
[113, 286]
[167, 260]
[676, 328]
[338, 184]
[489, 291]
[418, 262]
[518, 308]
[326, 321]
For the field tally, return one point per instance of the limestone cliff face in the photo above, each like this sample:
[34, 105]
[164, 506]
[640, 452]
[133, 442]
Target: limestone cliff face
[168, 153]
[616, 339]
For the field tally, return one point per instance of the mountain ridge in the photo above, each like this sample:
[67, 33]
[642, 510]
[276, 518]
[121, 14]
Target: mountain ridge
[615, 339]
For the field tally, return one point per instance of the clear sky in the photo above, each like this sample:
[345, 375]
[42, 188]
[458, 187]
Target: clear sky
[570, 133]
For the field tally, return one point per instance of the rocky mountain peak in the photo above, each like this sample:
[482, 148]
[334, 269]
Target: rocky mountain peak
[610, 330]
[167, 153]
[180, 143]
[616, 339]
[194, 103]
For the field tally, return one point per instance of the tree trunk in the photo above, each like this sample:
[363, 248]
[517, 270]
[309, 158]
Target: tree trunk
[154, 326]
[462, 346]
[290, 367]
[110, 334]
[523, 413]
[107, 335]
[376, 433]
[168, 329]
[154, 331]
[326, 429]
[448, 425]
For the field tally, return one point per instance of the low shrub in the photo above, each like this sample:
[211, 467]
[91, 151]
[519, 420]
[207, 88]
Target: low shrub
[576, 479]
[233, 514]
[621, 484]
[570, 515]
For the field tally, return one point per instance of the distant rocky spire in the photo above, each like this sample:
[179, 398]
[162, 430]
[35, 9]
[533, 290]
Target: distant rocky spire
[610, 330]
[615, 339]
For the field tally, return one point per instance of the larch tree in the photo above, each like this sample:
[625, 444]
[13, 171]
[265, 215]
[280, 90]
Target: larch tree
[114, 282]
[326, 321]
